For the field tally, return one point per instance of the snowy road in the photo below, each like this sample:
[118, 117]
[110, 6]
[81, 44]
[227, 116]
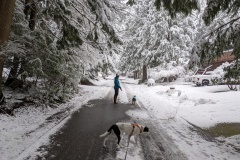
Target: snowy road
[157, 145]
[72, 130]
[79, 137]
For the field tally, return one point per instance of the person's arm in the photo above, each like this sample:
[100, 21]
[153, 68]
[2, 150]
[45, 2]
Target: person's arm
[119, 85]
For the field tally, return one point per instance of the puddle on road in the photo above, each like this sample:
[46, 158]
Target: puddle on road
[224, 129]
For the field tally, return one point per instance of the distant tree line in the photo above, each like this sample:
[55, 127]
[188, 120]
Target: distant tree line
[220, 32]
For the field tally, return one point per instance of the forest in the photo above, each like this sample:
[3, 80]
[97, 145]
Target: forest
[49, 47]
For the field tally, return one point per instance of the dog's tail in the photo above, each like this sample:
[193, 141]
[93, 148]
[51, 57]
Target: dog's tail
[109, 131]
[104, 134]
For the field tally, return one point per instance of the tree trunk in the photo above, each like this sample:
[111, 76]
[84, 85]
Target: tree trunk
[27, 8]
[135, 74]
[31, 11]
[33, 15]
[6, 14]
[144, 78]
[13, 73]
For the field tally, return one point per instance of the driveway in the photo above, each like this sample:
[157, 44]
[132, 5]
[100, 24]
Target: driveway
[79, 138]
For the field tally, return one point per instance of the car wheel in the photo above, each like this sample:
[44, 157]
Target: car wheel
[205, 82]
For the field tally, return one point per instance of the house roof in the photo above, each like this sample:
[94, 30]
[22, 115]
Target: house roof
[216, 64]
[226, 56]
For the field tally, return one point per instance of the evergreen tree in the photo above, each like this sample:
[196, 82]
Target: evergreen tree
[222, 33]
[222, 17]
[6, 14]
[177, 6]
[155, 39]
[56, 44]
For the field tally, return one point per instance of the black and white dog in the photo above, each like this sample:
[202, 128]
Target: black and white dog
[130, 129]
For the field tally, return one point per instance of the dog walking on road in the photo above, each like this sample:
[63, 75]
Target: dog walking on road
[130, 129]
[134, 99]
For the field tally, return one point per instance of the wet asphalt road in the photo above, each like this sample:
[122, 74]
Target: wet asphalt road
[79, 138]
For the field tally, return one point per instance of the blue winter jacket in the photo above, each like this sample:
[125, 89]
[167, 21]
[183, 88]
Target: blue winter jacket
[116, 83]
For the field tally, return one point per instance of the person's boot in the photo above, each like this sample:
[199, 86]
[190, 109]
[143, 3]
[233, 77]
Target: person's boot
[115, 99]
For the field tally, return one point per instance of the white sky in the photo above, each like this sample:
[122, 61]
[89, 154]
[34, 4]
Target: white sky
[168, 109]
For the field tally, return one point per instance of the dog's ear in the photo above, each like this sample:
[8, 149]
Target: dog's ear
[145, 129]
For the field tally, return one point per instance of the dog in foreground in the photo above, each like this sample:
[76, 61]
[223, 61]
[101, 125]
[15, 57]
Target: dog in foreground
[131, 129]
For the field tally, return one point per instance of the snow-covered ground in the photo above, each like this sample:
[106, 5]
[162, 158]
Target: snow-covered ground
[204, 107]
[169, 108]
[17, 138]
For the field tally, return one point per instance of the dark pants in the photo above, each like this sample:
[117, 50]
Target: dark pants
[116, 94]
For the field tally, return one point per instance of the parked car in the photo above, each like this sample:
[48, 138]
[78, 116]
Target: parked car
[207, 79]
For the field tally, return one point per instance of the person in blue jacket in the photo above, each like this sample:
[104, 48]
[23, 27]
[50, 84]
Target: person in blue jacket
[116, 88]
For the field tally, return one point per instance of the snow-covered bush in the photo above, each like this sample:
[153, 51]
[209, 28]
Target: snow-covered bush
[232, 75]
[169, 73]
[220, 70]
[151, 82]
